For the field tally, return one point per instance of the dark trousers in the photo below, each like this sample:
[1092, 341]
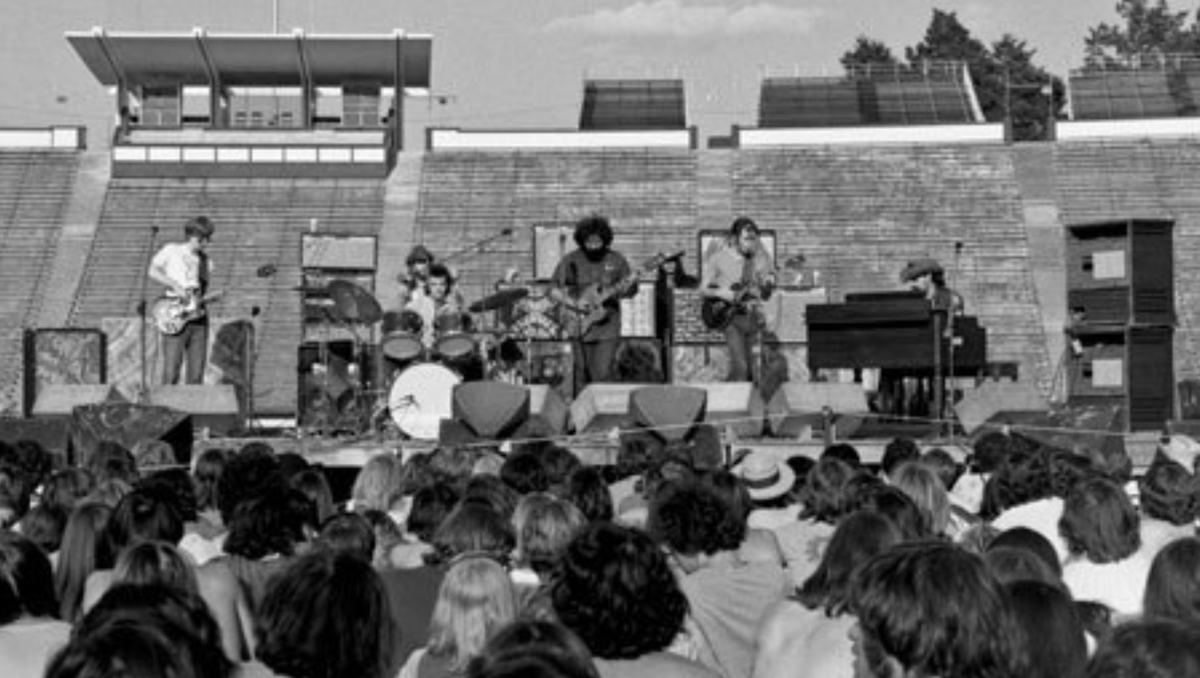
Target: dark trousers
[190, 344]
[594, 361]
[740, 335]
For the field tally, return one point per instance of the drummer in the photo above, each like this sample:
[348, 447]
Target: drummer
[442, 309]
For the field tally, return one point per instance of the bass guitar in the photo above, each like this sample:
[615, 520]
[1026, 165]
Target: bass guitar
[717, 313]
[591, 305]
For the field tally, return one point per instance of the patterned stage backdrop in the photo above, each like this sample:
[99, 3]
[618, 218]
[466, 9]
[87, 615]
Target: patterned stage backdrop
[705, 363]
[226, 350]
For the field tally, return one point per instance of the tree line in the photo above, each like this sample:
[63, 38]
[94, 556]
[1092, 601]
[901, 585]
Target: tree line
[1011, 87]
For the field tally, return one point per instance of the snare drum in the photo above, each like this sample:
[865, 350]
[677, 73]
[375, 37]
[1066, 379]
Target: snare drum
[402, 336]
[421, 396]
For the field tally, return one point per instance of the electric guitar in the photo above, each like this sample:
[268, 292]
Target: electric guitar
[717, 313]
[590, 306]
[172, 314]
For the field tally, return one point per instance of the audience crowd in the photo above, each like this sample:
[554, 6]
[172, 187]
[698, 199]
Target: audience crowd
[1019, 561]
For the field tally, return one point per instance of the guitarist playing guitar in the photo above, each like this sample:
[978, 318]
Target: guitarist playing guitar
[185, 269]
[593, 266]
[738, 276]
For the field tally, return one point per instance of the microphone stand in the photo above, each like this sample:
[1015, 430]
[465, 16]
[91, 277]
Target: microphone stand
[477, 245]
[144, 386]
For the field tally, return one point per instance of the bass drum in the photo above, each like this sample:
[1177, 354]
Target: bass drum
[420, 397]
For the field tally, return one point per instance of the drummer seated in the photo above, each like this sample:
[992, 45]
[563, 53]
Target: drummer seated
[443, 299]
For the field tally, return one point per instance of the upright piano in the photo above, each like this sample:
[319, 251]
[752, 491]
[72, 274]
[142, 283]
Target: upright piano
[894, 330]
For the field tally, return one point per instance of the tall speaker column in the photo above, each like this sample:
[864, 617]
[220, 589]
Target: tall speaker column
[1121, 304]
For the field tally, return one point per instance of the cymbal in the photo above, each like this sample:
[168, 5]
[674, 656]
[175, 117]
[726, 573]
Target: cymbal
[499, 300]
[352, 303]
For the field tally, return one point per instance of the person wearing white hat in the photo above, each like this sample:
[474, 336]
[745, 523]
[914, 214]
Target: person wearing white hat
[769, 480]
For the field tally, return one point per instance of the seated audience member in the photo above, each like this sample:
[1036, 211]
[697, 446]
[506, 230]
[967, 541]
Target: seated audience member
[727, 596]
[824, 501]
[769, 481]
[1028, 491]
[533, 649]
[895, 505]
[349, 533]
[429, 507]
[1148, 648]
[844, 452]
[1167, 496]
[469, 528]
[1173, 586]
[1053, 632]
[155, 562]
[144, 631]
[807, 635]
[30, 631]
[585, 487]
[759, 544]
[921, 484]
[492, 492]
[377, 486]
[111, 461]
[989, 454]
[947, 469]
[313, 484]
[1033, 542]
[898, 451]
[524, 472]
[1100, 527]
[86, 548]
[616, 591]
[326, 616]
[202, 539]
[543, 525]
[44, 526]
[932, 609]
[476, 599]
[66, 488]
[389, 540]
[559, 463]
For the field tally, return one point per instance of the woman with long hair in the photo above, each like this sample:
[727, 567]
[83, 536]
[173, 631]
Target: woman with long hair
[86, 548]
[476, 599]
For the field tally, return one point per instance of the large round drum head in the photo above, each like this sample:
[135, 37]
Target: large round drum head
[421, 397]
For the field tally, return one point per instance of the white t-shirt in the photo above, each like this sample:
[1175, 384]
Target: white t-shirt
[179, 263]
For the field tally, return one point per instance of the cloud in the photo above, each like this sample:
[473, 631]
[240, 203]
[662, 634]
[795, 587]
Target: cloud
[673, 19]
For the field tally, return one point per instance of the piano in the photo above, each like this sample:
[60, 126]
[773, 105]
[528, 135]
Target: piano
[893, 330]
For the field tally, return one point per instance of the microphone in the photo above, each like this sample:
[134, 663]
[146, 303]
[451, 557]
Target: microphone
[676, 256]
[506, 232]
[154, 229]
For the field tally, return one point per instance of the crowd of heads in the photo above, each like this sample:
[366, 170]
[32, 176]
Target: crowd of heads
[537, 565]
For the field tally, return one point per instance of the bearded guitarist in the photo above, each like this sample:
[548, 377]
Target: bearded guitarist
[738, 275]
[593, 273]
[185, 269]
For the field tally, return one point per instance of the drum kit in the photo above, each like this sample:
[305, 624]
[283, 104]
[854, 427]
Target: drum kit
[416, 369]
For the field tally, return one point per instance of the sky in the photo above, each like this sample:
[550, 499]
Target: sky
[520, 64]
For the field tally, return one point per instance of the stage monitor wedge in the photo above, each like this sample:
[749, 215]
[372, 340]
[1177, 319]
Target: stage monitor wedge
[798, 408]
[212, 406]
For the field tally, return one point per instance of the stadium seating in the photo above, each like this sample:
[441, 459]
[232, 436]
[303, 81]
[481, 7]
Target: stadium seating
[35, 189]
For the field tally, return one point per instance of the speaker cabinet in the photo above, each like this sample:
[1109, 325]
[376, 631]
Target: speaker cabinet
[1131, 366]
[1121, 272]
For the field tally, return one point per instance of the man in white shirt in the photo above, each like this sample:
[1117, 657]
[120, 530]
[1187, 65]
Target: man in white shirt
[184, 268]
